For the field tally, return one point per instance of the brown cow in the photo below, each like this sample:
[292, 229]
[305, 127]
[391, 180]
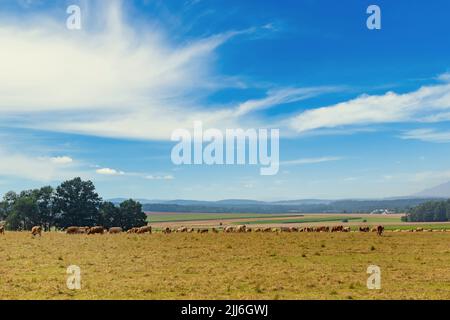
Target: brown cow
[2, 229]
[96, 230]
[115, 230]
[337, 229]
[133, 230]
[380, 230]
[202, 231]
[37, 230]
[364, 229]
[167, 230]
[145, 229]
[73, 230]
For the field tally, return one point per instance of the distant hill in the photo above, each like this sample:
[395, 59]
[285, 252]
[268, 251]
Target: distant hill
[294, 206]
[440, 191]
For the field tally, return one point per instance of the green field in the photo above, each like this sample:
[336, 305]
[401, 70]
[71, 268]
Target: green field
[180, 217]
[330, 218]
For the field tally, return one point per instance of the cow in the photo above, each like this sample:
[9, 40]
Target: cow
[293, 229]
[190, 230]
[337, 229]
[380, 230]
[2, 229]
[346, 229]
[202, 231]
[167, 230]
[267, 229]
[229, 229]
[182, 229]
[285, 229]
[258, 230]
[73, 230]
[241, 228]
[419, 229]
[115, 230]
[96, 230]
[364, 229]
[37, 230]
[145, 229]
[133, 230]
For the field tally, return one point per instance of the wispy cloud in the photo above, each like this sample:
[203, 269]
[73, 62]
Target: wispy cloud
[428, 135]
[310, 160]
[156, 177]
[417, 106]
[109, 172]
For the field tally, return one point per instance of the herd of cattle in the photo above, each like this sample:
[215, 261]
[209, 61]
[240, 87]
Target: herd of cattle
[37, 231]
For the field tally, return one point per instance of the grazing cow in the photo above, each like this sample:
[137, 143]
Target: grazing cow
[167, 230]
[133, 230]
[229, 229]
[346, 229]
[380, 230]
[190, 230]
[267, 229]
[96, 230]
[115, 230]
[419, 229]
[293, 229]
[36, 231]
[364, 229]
[285, 229]
[145, 229]
[337, 229]
[258, 230]
[2, 229]
[73, 230]
[241, 228]
[202, 231]
[182, 229]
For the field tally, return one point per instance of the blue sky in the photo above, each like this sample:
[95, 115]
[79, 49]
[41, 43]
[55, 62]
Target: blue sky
[362, 113]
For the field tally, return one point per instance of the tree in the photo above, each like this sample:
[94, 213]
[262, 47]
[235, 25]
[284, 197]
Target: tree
[109, 215]
[76, 204]
[131, 215]
[24, 214]
[6, 205]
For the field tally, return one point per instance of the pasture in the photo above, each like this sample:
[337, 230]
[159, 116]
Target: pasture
[226, 266]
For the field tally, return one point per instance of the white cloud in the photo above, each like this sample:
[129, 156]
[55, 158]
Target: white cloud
[428, 135]
[310, 160]
[44, 169]
[282, 96]
[156, 177]
[391, 107]
[61, 160]
[109, 172]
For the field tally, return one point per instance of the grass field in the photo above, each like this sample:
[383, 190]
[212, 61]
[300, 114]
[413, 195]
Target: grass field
[226, 266]
[182, 217]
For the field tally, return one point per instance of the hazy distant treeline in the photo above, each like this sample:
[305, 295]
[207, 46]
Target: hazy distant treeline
[340, 206]
[430, 211]
[73, 203]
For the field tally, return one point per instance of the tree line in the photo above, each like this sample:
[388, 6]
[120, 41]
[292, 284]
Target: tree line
[73, 203]
[438, 211]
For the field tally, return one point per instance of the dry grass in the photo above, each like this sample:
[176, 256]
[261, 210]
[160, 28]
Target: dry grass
[226, 266]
